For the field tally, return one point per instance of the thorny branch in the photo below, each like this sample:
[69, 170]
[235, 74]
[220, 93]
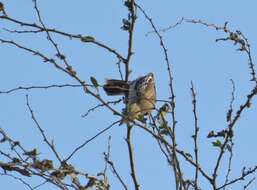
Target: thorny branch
[41, 87]
[101, 105]
[176, 163]
[195, 136]
[245, 173]
[19, 179]
[112, 166]
[237, 37]
[230, 144]
[39, 29]
[128, 25]
[51, 145]
[68, 71]
[249, 183]
[28, 164]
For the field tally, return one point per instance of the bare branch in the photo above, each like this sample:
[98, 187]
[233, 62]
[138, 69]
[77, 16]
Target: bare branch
[41, 87]
[195, 136]
[101, 105]
[51, 145]
[89, 140]
[111, 164]
[178, 173]
[59, 54]
[19, 179]
[34, 52]
[244, 174]
[131, 158]
[80, 37]
[249, 183]
[132, 19]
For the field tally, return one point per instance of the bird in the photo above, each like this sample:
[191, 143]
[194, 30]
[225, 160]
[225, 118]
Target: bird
[140, 95]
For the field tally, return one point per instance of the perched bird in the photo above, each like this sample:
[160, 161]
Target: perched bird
[140, 95]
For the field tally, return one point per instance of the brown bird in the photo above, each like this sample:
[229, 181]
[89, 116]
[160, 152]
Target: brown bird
[140, 93]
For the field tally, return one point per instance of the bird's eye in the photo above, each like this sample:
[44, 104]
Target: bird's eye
[150, 79]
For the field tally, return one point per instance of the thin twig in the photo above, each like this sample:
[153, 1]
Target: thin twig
[131, 158]
[167, 28]
[51, 145]
[41, 87]
[89, 140]
[229, 118]
[132, 18]
[101, 105]
[195, 136]
[241, 178]
[111, 164]
[46, 59]
[39, 185]
[114, 170]
[249, 183]
[59, 54]
[19, 179]
[34, 52]
[229, 162]
[106, 158]
[69, 35]
[119, 69]
[180, 152]
[178, 173]
[231, 125]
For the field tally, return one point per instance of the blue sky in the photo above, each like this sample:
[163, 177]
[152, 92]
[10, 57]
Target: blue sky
[194, 55]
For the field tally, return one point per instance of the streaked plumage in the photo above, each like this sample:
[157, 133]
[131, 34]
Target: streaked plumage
[141, 95]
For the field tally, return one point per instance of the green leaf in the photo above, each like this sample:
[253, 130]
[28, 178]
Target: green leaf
[217, 143]
[94, 81]
[141, 118]
[87, 39]
[163, 125]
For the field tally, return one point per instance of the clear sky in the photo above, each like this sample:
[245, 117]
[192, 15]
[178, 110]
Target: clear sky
[194, 55]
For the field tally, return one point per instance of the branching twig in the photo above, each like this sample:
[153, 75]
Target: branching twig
[111, 164]
[69, 72]
[236, 37]
[19, 179]
[34, 52]
[59, 54]
[178, 173]
[41, 87]
[230, 146]
[231, 125]
[132, 20]
[249, 183]
[80, 37]
[101, 105]
[242, 177]
[195, 136]
[51, 145]
[89, 140]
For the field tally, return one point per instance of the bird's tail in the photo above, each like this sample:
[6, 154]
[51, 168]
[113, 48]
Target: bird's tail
[116, 87]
